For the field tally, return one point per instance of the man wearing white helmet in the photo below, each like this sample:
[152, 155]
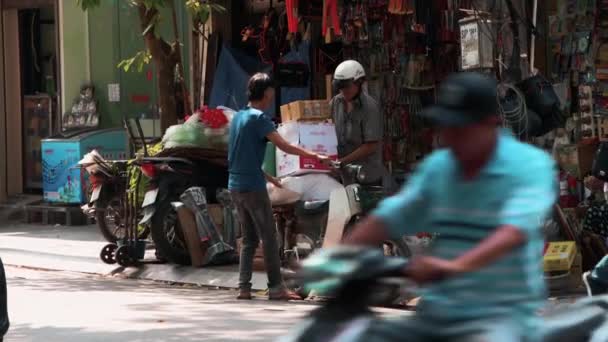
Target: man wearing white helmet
[359, 122]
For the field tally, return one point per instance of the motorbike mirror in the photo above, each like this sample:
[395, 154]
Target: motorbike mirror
[361, 176]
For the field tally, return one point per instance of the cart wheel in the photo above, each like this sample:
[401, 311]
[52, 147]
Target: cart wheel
[107, 254]
[123, 257]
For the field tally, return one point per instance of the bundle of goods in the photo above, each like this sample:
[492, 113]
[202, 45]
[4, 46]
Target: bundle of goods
[207, 128]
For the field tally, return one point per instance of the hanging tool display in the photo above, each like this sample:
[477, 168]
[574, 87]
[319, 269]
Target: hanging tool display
[292, 9]
[401, 7]
[331, 17]
[269, 37]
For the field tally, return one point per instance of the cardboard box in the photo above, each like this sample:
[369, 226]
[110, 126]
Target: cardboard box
[319, 138]
[317, 110]
[196, 247]
[569, 281]
[559, 256]
[577, 160]
[216, 212]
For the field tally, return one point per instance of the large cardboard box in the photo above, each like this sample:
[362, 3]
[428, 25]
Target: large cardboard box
[559, 256]
[315, 110]
[316, 137]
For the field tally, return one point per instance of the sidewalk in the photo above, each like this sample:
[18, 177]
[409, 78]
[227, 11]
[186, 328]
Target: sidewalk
[76, 249]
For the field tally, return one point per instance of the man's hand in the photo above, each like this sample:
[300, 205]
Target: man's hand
[275, 181]
[426, 269]
[325, 160]
[272, 180]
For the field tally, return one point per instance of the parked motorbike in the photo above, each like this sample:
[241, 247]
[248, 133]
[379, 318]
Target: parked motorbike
[351, 275]
[346, 207]
[109, 181]
[168, 178]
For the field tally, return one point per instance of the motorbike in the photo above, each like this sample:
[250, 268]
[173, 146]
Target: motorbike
[168, 179]
[352, 274]
[345, 208]
[109, 181]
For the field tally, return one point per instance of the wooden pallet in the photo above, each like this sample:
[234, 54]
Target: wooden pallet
[55, 214]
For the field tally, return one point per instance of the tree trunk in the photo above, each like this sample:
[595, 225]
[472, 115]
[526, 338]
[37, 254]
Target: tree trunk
[166, 92]
[165, 60]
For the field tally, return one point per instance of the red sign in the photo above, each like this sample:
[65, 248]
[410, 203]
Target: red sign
[140, 98]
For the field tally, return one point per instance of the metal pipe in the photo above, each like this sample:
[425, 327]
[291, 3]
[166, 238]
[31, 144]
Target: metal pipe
[533, 38]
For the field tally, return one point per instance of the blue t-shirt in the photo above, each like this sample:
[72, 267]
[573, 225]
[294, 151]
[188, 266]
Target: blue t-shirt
[246, 150]
[516, 188]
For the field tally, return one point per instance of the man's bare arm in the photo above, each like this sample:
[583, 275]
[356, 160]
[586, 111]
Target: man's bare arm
[288, 148]
[362, 152]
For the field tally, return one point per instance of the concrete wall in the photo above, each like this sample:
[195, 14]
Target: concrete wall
[113, 33]
[74, 54]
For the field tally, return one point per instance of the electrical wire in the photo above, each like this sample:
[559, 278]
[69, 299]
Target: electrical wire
[516, 118]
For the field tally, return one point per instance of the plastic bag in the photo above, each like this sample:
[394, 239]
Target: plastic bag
[218, 252]
[189, 134]
[312, 187]
[281, 196]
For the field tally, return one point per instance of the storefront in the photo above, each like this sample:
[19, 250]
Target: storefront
[29, 102]
[406, 47]
[553, 87]
[50, 49]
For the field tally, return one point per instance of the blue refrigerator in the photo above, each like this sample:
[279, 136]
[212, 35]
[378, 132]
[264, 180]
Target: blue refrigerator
[62, 180]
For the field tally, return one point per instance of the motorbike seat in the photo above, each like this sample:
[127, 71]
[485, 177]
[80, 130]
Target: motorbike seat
[577, 322]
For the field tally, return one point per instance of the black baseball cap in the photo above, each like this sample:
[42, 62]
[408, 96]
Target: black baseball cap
[464, 98]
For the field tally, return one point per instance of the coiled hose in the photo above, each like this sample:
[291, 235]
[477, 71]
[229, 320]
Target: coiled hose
[516, 118]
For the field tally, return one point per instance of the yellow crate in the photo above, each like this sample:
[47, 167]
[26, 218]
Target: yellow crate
[559, 256]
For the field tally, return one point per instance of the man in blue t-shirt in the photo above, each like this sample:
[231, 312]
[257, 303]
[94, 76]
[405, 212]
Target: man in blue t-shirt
[250, 130]
[486, 196]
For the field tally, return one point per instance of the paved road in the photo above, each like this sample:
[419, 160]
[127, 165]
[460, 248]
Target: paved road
[70, 307]
[76, 249]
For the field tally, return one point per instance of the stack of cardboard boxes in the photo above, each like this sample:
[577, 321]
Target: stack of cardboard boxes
[308, 125]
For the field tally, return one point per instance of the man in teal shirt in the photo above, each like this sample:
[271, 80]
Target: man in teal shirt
[250, 130]
[486, 195]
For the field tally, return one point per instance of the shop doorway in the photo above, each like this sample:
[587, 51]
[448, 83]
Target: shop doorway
[31, 59]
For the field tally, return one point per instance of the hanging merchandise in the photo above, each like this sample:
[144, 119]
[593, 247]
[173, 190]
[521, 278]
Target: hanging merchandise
[330, 12]
[542, 99]
[477, 48]
[588, 128]
[401, 7]
[268, 38]
[600, 163]
[292, 15]
[567, 190]
[293, 74]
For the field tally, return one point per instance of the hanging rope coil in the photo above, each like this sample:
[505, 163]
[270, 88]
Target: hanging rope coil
[516, 118]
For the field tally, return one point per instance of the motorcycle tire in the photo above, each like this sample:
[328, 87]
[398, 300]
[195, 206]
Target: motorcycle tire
[109, 232]
[165, 215]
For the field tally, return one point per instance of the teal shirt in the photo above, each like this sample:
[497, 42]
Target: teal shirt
[246, 150]
[516, 188]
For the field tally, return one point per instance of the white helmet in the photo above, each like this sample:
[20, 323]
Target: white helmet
[349, 71]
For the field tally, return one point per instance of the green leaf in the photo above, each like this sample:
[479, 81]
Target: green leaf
[138, 62]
